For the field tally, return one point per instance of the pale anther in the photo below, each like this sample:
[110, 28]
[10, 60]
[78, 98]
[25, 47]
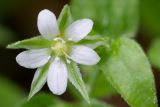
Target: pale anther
[68, 61]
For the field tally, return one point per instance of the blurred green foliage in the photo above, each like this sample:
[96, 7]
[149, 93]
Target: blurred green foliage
[41, 100]
[150, 17]
[47, 100]
[150, 20]
[96, 82]
[10, 94]
[6, 36]
[111, 17]
[154, 53]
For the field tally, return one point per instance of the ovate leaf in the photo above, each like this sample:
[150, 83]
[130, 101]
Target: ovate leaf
[75, 78]
[39, 80]
[111, 17]
[64, 18]
[32, 43]
[154, 53]
[127, 68]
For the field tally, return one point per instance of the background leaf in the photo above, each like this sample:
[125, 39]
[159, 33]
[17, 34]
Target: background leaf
[154, 53]
[96, 82]
[150, 17]
[109, 15]
[47, 100]
[10, 94]
[41, 100]
[126, 67]
[6, 36]
[94, 103]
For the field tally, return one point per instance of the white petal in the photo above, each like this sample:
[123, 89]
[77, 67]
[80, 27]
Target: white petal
[79, 29]
[84, 55]
[57, 77]
[33, 58]
[47, 24]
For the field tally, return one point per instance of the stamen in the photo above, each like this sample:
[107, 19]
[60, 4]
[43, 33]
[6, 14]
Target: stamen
[57, 58]
[53, 48]
[55, 39]
[68, 61]
[70, 39]
[66, 55]
[62, 40]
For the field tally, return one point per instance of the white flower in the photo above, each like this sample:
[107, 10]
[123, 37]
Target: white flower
[63, 50]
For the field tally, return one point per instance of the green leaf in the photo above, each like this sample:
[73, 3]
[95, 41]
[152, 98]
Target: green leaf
[127, 68]
[11, 94]
[39, 80]
[64, 18]
[111, 17]
[154, 53]
[32, 43]
[94, 78]
[76, 79]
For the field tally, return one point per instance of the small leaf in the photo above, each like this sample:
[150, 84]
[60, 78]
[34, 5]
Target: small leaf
[32, 43]
[64, 18]
[154, 53]
[76, 79]
[39, 80]
[126, 67]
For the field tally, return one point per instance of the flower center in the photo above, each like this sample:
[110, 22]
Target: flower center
[60, 47]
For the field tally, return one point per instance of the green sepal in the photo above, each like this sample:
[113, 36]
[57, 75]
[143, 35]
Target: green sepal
[94, 41]
[75, 78]
[64, 18]
[39, 80]
[32, 43]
